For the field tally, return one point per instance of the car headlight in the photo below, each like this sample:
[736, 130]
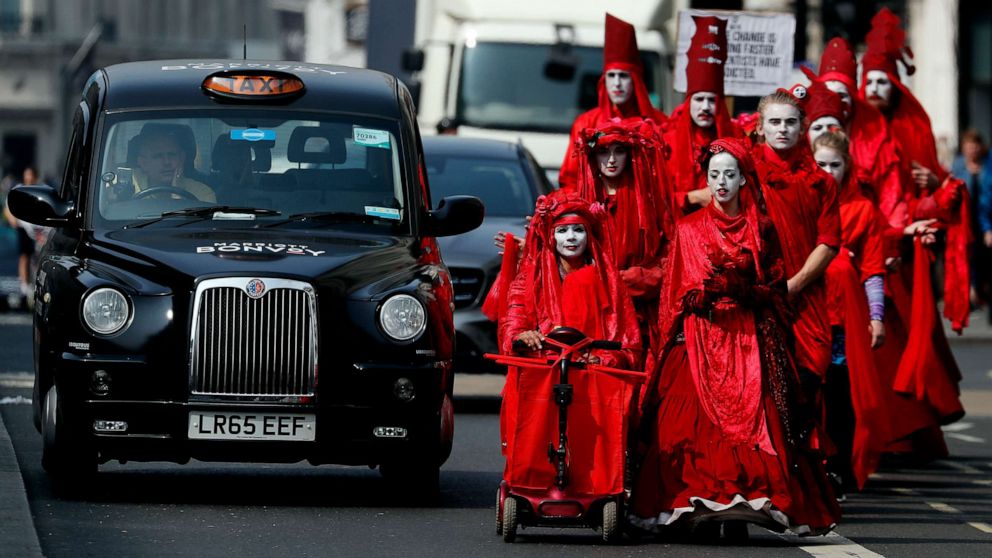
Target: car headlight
[403, 317]
[106, 311]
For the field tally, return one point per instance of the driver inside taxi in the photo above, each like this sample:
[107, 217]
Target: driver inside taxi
[160, 160]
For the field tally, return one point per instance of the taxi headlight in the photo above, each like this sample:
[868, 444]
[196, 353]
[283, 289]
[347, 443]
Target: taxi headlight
[106, 311]
[402, 317]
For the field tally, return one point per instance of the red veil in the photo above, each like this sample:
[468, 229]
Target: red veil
[642, 217]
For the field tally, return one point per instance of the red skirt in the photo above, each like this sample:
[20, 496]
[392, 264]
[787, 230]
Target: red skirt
[689, 469]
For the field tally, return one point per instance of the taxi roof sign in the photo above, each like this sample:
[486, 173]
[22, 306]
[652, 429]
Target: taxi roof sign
[253, 85]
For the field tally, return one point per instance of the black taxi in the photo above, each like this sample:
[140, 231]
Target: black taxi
[244, 268]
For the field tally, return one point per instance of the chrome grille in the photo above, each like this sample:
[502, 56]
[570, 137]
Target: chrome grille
[247, 346]
[467, 283]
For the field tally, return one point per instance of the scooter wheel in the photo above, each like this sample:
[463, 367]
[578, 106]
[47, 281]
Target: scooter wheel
[611, 523]
[509, 519]
[499, 512]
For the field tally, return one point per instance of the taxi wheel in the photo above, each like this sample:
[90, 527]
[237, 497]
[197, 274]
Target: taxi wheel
[70, 464]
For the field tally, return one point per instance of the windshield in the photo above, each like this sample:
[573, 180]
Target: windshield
[499, 183]
[503, 85]
[259, 165]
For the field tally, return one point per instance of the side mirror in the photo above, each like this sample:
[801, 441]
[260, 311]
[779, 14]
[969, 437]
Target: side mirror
[40, 205]
[455, 215]
[413, 60]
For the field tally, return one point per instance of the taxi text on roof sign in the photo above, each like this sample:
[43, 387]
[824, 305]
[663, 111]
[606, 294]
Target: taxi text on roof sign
[253, 85]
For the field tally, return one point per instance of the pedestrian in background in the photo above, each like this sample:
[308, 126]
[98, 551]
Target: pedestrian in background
[973, 165]
[26, 233]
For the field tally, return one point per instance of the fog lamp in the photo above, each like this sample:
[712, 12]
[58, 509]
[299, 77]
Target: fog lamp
[109, 426]
[100, 383]
[403, 390]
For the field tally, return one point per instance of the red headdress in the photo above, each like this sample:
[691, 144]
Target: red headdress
[620, 52]
[642, 216]
[707, 56]
[886, 45]
[821, 101]
[839, 64]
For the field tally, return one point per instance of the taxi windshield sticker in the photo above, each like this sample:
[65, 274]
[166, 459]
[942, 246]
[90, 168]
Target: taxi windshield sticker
[371, 138]
[253, 134]
[383, 212]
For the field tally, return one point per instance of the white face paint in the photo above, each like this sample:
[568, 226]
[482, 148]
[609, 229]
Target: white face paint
[619, 86]
[832, 161]
[780, 125]
[840, 89]
[570, 240]
[723, 176]
[878, 89]
[611, 160]
[820, 126]
[702, 105]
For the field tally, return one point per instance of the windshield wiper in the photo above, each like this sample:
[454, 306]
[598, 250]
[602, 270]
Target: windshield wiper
[205, 211]
[333, 216]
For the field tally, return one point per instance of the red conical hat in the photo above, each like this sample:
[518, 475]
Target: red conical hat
[707, 55]
[620, 48]
[839, 64]
[886, 45]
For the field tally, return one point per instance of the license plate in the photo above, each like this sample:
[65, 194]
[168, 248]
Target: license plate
[252, 426]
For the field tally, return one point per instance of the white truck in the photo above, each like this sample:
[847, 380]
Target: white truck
[522, 70]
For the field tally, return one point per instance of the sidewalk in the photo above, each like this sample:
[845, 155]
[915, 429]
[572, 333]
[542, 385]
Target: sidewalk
[18, 538]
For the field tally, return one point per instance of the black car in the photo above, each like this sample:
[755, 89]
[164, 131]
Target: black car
[508, 180]
[244, 269]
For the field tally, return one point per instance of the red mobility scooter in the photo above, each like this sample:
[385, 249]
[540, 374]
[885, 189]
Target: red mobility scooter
[564, 426]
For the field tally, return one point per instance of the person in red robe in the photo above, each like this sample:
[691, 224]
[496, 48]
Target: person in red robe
[618, 166]
[854, 395]
[927, 371]
[702, 118]
[933, 192]
[801, 201]
[724, 435]
[567, 278]
[621, 89]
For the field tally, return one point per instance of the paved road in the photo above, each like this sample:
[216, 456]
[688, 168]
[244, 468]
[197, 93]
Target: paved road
[297, 510]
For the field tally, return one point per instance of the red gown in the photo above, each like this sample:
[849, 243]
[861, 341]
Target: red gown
[861, 256]
[802, 203]
[721, 410]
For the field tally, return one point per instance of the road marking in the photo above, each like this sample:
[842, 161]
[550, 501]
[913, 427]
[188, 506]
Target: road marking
[21, 380]
[906, 491]
[983, 527]
[957, 427]
[960, 467]
[831, 546]
[942, 507]
[15, 319]
[966, 438]
[984, 482]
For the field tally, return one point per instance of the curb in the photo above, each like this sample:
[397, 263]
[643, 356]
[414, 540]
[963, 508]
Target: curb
[18, 537]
